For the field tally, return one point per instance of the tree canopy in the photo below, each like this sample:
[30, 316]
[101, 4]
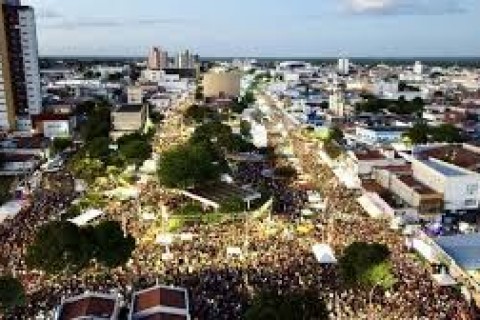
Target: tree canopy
[421, 133]
[366, 264]
[112, 249]
[187, 165]
[289, 306]
[61, 246]
[60, 144]
[400, 106]
[58, 246]
[12, 293]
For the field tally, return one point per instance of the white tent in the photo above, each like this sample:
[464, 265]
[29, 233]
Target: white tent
[234, 252]
[425, 250]
[164, 239]
[124, 193]
[444, 280]
[10, 209]
[86, 217]
[324, 253]
[314, 197]
[317, 206]
[307, 212]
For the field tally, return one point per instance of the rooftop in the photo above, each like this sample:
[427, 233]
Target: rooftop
[51, 117]
[370, 185]
[88, 306]
[443, 168]
[366, 155]
[463, 249]
[454, 154]
[129, 108]
[385, 129]
[164, 316]
[416, 185]
[159, 297]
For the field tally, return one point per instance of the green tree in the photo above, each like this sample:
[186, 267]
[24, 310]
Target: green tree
[216, 133]
[98, 148]
[136, 152]
[187, 165]
[379, 275]
[12, 293]
[336, 134]
[98, 121]
[245, 129]
[60, 144]
[446, 133]
[360, 260]
[290, 306]
[58, 246]
[86, 168]
[418, 134]
[112, 248]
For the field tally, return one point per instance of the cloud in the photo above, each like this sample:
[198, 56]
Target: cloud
[404, 7]
[108, 22]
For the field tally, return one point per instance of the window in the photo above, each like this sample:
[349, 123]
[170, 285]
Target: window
[470, 202]
[472, 189]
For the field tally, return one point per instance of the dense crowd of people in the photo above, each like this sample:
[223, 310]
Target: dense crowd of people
[271, 254]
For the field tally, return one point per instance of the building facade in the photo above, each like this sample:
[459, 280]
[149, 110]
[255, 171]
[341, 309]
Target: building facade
[460, 187]
[20, 92]
[221, 84]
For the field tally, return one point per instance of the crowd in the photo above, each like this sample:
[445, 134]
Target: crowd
[274, 255]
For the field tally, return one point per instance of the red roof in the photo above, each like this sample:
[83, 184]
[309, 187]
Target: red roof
[160, 296]
[88, 307]
[369, 155]
[51, 117]
[11, 157]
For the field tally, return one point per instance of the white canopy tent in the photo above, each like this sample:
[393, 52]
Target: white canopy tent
[444, 280]
[10, 209]
[324, 253]
[86, 217]
[307, 212]
[425, 250]
[124, 193]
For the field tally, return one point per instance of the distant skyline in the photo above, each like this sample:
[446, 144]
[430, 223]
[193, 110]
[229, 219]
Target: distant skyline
[269, 28]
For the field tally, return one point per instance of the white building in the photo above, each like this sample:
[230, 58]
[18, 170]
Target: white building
[134, 95]
[185, 60]
[389, 90]
[460, 187]
[379, 135]
[343, 66]
[418, 68]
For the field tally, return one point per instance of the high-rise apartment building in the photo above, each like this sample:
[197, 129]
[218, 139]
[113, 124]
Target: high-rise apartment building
[20, 91]
[157, 59]
[418, 68]
[185, 60]
[343, 66]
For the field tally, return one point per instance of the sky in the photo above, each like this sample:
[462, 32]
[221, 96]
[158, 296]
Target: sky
[254, 28]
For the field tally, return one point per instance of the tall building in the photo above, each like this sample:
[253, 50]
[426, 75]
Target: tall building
[418, 68]
[343, 66]
[153, 59]
[157, 59]
[185, 60]
[20, 91]
[336, 103]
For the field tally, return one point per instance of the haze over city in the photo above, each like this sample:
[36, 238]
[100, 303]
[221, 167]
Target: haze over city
[306, 28]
